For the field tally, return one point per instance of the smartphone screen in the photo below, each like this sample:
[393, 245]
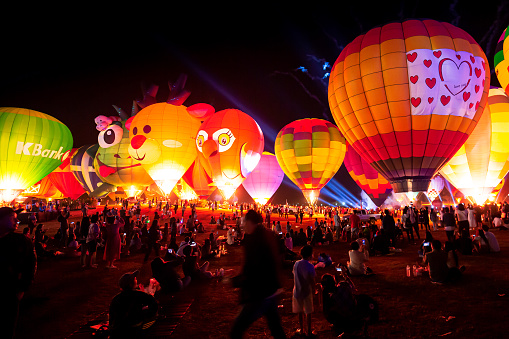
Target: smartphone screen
[338, 269]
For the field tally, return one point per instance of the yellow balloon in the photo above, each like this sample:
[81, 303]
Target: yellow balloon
[483, 161]
[162, 138]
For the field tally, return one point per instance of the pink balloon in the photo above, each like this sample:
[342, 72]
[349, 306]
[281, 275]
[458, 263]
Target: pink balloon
[265, 179]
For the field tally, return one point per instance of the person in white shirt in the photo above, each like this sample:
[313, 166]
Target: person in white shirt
[358, 256]
[492, 240]
[497, 222]
[304, 285]
[289, 242]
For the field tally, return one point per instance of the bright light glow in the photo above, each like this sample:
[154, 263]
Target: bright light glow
[311, 196]
[7, 195]
[133, 191]
[261, 201]
[411, 195]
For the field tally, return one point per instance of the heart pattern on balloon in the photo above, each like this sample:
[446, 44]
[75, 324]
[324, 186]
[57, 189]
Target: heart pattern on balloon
[451, 83]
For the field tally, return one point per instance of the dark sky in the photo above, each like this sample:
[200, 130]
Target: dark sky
[75, 65]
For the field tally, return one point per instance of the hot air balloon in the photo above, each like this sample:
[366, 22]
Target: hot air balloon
[112, 162]
[310, 152]
[407, 95]
[483, 161]
[82, 166]
[199, 177]
[265, 179]
[232, 143]
[42, 190]
[368, 179]
[502, 61]
[162, 135]
[183, 191]
[63, 179]
[435, 188]
[32, 146]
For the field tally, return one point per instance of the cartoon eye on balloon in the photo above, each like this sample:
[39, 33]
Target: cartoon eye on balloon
[224, 138]
[111, 136]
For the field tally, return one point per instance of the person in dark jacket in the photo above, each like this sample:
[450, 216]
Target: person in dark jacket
[259, 281]
[389, 226]
[131, 310]
[153, 240]
[18, 264]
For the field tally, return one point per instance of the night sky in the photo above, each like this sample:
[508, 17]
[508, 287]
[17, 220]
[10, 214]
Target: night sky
[75, 65]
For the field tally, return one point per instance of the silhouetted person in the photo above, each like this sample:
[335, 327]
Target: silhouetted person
[259, 281]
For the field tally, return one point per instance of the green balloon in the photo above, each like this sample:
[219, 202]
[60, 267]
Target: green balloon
[32, 143]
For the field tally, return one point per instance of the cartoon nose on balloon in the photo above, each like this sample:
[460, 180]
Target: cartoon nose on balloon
[209, 148]
[138, 141]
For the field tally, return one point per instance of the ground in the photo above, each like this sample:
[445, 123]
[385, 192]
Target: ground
[64, 296]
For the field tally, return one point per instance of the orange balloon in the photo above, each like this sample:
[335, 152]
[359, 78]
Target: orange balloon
[232, 143]
[162, 139]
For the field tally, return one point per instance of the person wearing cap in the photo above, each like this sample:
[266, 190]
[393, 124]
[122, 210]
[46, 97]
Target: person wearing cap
[131, 311]
[18, 264]
[259, 281]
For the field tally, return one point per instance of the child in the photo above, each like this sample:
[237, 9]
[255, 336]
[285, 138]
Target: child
[304, 286]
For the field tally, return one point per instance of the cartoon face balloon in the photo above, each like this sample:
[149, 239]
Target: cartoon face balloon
[232, 142]
[112, 162]
[502, 60]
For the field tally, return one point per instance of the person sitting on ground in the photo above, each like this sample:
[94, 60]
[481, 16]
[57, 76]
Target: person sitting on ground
[436, 261]
[206, 250]
[317, 236]
[168, 279]
[480, 242]
[173, 245]
[339, 304]
[135, 244]
[131, 310]
[426, 244]
[381, 243]
[212, 220]
[455, 270]
[324, 260]
[289, 242]
[301, 238]
[492, 240]
[329, 237]
[191, 267]
[497, 222]
[182, 246]
[304, 286]
[358, 256]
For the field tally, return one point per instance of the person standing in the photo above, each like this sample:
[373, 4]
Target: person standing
[449, 223]
[425, 218]
[64, 226]
[355, 223]
[472, 223]
[32, 220]
[389, 226]
[414, 221]
[92, 240]
[18, 264]
[113, 242]
[463, 225]
[153, 240]
[303, 287]
[259, 281]
[434, 219]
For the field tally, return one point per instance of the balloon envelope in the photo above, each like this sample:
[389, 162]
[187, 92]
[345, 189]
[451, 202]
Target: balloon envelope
[483, 161]
[368, 179]
[162, 140]
[407, 95]
[502, 61]
[63, 179]
[113, 163]
[310, 152]
[265, 179]
[199, 177]
[435, 187]
[232, 143]
[82, 166]
[32, 146]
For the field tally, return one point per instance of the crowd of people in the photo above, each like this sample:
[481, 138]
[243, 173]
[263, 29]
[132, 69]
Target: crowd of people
[269, 246]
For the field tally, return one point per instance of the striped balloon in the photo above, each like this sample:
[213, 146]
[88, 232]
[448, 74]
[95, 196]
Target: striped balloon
[310, 152]
[483, 161]
[502, 61]
[82, 166]
[368, 179]
[407, 95]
